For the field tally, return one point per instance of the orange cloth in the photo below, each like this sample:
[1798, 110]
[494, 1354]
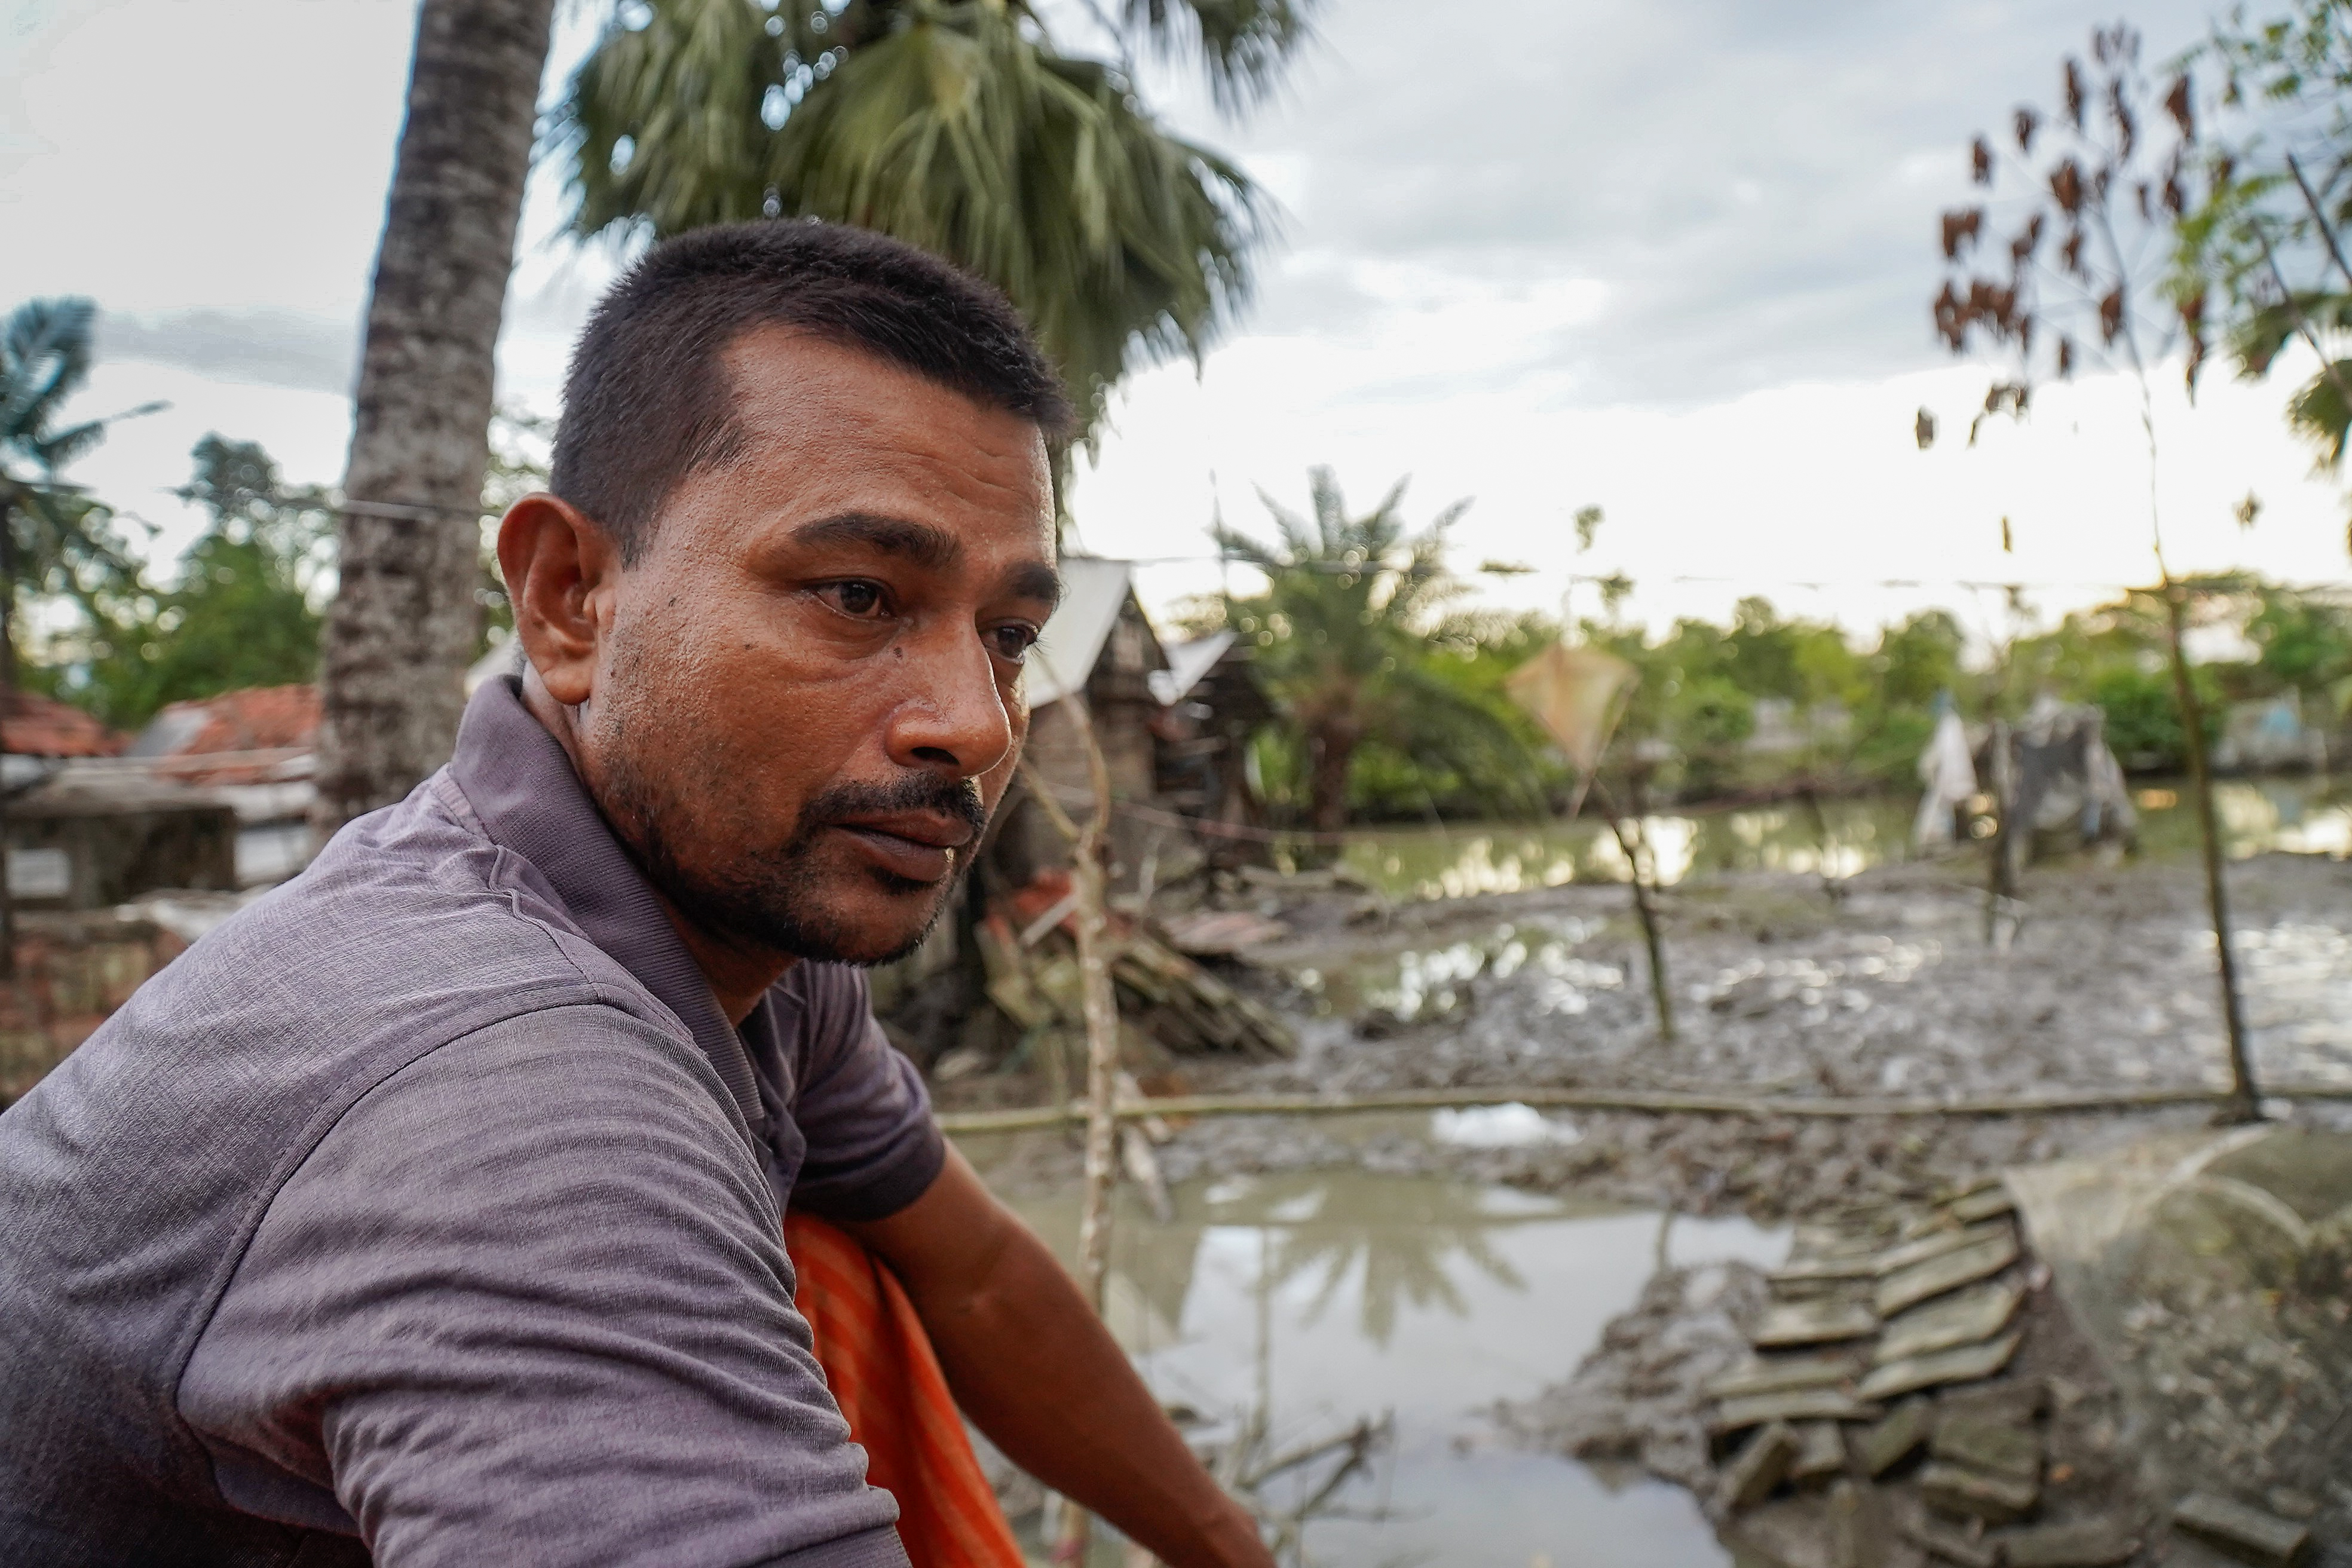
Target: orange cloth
[886, 1379]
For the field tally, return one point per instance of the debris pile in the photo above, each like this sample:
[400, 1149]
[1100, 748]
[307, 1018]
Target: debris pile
[1874, 1383]
[1028, 949]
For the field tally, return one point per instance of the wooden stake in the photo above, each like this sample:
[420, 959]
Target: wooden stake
[1101, 1011]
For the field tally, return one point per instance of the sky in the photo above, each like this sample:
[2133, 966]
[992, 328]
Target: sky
[1670, 258]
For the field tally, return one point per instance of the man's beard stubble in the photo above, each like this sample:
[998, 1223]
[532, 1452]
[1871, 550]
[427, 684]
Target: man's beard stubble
[774, 897]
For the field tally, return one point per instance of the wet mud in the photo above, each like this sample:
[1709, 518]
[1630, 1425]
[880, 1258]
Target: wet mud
[1885, 986]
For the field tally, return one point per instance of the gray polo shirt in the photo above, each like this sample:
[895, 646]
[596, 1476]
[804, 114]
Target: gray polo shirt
[429, 1210]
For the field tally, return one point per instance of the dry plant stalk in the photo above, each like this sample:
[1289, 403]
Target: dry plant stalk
[1637, 854]
[1100, 1005]
[2112, 189]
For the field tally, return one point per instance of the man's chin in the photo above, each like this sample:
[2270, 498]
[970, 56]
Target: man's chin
[871, 925]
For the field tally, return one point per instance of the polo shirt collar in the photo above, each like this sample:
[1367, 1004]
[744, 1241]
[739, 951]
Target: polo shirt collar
[529, 798]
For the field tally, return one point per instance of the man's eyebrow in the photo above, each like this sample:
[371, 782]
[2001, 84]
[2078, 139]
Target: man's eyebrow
[922, 543]
[1036, 581]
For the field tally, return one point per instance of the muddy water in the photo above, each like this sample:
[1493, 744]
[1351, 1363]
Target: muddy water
[1320, 1299]
[2303, 816]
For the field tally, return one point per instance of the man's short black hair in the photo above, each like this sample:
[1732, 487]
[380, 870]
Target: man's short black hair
[647, 399]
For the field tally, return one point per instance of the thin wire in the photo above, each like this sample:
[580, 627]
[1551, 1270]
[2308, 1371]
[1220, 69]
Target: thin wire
[2005, 584]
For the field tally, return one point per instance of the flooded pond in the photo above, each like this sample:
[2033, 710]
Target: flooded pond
[1539, 955]
[2303, 815]
[1310, 1301]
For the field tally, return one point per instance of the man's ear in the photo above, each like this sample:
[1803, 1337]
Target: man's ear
[562, 575]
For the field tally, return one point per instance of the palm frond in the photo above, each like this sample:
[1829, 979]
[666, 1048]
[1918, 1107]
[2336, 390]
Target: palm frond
[45, 358]
[2318, 413]
[56, 449]
[1241, 547]
[952, 125]
[1241, 46]
[1298, 539]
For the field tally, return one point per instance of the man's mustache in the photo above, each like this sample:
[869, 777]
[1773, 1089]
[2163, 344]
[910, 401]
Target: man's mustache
[957, 798]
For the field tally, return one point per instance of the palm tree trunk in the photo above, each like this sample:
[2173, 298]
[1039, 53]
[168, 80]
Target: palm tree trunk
[1333, 749]
[7, 706]
[405, 621]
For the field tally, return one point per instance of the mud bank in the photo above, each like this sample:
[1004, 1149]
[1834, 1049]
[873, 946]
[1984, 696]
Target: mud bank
[1887, 986]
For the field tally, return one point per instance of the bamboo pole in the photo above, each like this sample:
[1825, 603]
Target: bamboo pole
[1100, 1006]
[1630, 840]
[1651, 1103]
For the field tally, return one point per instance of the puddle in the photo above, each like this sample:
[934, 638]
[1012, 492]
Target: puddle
[2299, 816]
[2298, 997]
[1328, 1297]
[1417, 984]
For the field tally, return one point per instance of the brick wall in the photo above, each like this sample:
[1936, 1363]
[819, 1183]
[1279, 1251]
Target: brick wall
[71, 972]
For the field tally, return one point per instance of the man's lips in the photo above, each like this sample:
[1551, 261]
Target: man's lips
[917, 846]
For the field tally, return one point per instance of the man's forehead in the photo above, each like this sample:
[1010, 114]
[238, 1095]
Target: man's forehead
[837, 415]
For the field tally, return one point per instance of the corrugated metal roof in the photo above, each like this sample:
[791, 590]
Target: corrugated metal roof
[1187, 662]
[1092, 592]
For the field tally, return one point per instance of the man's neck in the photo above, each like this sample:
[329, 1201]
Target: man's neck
[739, 976]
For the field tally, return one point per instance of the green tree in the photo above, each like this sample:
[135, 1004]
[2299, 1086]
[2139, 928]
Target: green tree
[2262, 252]
[1472, 656]
[960, 126]
[54, 541]
[2306, 647]
[1916, 660]
[242, 611]
[1349, 633]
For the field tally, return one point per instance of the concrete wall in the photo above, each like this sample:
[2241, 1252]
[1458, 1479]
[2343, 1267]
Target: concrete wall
[116, 849]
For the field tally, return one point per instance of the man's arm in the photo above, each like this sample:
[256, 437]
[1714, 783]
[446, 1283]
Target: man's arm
[525, 1302]
[1036, 1368]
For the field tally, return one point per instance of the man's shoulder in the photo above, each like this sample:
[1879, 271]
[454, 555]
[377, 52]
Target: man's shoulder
[410, 930]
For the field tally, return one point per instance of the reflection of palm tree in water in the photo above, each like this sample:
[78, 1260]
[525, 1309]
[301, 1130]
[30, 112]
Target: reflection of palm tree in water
[1406, 1233]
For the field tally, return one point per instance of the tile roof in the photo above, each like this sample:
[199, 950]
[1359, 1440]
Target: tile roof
[36, 726]
[258, 719]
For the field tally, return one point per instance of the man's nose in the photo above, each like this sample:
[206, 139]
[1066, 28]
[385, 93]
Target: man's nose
[953, 719]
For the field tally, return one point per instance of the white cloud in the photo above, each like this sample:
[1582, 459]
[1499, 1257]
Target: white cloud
[1672, 259]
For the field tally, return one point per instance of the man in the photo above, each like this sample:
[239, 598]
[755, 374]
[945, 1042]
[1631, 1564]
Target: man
[429, 1210]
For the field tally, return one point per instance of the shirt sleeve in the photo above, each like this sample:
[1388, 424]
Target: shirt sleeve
[527, 1301]
[873, 1145]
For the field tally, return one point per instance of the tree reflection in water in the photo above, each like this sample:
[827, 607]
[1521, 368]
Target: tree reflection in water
[1406, 1236]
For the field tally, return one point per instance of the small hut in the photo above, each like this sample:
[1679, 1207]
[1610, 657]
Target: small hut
[255, 751]
[86, 831]
[1173, 721]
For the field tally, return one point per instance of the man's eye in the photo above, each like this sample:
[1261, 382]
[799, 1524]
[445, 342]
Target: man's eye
[1013, 642]
[854, 597]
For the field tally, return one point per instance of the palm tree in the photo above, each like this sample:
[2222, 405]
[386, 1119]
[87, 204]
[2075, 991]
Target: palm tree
[405, 616]
[956, 125]
[1406, 1233]
[1353, 612]
[52, 534]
